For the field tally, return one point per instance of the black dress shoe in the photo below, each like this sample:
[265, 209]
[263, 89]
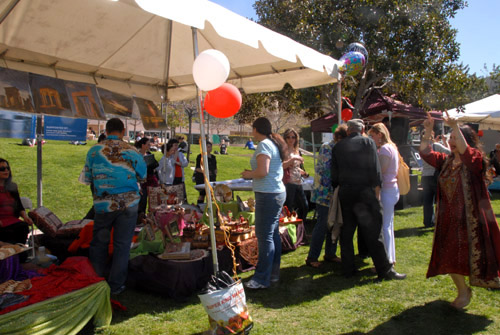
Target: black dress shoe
[392, 275]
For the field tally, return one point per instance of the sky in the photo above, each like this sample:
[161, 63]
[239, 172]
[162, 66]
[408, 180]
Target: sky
[478, 28]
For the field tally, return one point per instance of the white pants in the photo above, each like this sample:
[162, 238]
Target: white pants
[389, 197]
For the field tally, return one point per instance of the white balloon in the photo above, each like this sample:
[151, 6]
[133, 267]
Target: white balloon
[210, 69]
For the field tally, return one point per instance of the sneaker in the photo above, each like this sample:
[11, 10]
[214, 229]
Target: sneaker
[275, 280]
[253, 285]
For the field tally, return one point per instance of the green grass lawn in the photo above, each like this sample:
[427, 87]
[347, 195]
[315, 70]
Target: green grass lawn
[307, 300]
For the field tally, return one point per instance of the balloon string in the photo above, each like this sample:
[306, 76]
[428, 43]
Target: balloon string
[227, 241]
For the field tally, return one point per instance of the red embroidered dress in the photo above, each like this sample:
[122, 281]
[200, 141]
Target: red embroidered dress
[466, 237]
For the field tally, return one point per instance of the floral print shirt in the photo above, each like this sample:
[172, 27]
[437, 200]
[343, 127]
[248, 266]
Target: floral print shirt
[115, 168]
[322, 187]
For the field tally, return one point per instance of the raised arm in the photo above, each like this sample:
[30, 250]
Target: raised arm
[425, 140]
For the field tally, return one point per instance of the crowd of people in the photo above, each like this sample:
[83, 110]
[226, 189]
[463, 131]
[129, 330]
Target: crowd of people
[362, 172]
[358, 166]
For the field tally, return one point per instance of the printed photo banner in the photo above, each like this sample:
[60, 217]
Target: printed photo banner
[33, 93]
[151, 116]
[59, 97]
[49, 95]
[85, 101]
[116, 104]
[15, 93]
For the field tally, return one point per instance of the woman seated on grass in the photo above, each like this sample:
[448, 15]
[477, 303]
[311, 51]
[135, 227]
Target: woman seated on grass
[12, 230]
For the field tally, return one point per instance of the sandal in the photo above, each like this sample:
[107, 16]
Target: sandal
[313, 263]
[332, 259]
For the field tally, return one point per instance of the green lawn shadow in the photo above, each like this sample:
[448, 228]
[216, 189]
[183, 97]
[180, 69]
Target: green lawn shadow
[436, 317]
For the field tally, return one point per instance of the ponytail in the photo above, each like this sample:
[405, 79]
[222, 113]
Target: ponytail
[280, 143]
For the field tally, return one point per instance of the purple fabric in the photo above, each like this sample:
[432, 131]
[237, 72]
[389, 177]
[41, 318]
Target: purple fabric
[10, 268]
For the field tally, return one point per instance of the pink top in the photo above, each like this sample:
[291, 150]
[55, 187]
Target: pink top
[390, 173]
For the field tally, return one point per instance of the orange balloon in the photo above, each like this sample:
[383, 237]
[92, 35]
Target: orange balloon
[224, 101]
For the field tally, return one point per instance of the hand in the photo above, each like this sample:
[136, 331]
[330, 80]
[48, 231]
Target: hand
[450, 121]
[428, 123]
[28, 220]
[247, 174]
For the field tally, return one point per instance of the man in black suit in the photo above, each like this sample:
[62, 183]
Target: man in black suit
[356, 169]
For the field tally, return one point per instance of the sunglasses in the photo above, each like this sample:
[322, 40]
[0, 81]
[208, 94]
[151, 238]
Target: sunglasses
[4, 168]
[291, 137]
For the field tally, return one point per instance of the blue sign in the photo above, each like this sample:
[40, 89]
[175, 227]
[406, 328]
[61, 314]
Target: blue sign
[17, 125]
[64, 129]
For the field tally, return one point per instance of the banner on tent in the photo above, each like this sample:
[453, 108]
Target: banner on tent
[33, 93]
[64, 129]
[17, 125]
[150, 114]
[84, 100]
[15, 94]
[116, 104]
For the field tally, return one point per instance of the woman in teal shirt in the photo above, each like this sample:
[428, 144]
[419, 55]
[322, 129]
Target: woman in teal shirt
[270, 194]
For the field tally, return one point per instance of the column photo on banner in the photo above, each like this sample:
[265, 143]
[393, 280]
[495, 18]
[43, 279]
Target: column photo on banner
[64, 128]
[50, 96]
[151, 116]
[84, 100]
[15, 93]
[116, 104]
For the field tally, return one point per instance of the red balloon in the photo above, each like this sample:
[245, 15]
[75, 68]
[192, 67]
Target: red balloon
[346, 114]
[224, 101]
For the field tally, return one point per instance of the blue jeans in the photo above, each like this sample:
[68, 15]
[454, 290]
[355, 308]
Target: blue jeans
[268, 208]
[320, 233]
[123, 223]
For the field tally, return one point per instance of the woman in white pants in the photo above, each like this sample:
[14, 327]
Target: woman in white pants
[389, 195]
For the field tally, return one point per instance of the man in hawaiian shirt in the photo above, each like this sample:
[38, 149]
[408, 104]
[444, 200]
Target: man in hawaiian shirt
[115, 168]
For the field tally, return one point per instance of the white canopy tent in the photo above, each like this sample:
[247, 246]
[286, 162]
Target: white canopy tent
[486, 112]
[148, 52]
[123, 48]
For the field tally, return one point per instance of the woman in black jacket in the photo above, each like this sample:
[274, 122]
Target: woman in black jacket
[12, 229]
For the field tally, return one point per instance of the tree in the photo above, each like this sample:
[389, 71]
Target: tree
[284, 108]
[411, 45]
[287, 101]
[177, 118]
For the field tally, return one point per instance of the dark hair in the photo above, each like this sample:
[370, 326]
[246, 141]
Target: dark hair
[208, 143]
[473, 141]
[101, 138]
[263, 126]
[114, 125]
[470, 137]
[141, 142]
[166, 147]
[340, 133]
[8, 181]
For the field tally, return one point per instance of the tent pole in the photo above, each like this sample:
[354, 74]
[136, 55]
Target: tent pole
[314, 150]
[205, 161]
[39, 140]
[339, 100]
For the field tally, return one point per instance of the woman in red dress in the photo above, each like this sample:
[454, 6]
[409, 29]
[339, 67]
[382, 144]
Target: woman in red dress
[467, 237]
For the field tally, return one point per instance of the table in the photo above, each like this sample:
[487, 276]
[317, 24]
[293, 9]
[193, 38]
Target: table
[241, 184]
[173, 279]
